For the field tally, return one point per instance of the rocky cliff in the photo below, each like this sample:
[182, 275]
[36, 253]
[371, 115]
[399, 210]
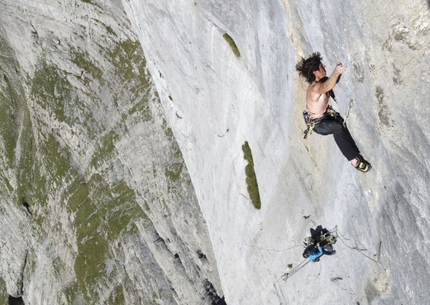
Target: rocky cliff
[123, 175]
[97, 203]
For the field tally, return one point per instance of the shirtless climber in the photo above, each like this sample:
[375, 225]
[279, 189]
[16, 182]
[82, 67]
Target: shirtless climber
[324, 119]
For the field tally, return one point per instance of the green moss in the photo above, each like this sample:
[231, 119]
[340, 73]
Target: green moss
[57, 157]
[9, 113]
[51, 90]
[117, 296]
[128, 61]
[83, 61]
[110, 30]
[177, 153]
[106, 147]
[142, 110]
[3, 292]
[37, 181]
[251, 178]
[168, 131]
[130, 67]
[232, 44]
[103, 212]
[108, 143]
[79, 194]
[173, 171]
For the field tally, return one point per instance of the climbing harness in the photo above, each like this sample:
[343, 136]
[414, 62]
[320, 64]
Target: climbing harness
[311, 122]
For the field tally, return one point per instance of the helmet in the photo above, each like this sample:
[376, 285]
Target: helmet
[306, 254]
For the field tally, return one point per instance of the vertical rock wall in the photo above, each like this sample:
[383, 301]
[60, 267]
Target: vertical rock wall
[216, 100]
[97, 206]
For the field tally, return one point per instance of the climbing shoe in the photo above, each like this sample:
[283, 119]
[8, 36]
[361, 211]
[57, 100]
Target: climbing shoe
[363, 166]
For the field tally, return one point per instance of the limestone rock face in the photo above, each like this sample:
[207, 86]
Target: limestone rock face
[219, 101]
[97, 206]
[122, 171]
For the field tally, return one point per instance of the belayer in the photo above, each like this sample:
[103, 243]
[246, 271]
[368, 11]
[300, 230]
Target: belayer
[319, 115]
[321, 242]
[314, 252]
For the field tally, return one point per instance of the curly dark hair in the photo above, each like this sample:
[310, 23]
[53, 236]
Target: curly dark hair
[307, 66]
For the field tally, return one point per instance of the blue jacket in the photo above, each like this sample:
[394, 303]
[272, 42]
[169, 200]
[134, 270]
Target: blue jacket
[315, 254]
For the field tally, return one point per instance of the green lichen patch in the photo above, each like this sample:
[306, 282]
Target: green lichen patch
[83, 61]
[173, 171]
[232, 44]
[110, 30]
[103, 212]
[3, 292]
[251, 178]
[142, 110]
[106, 147]
[9, 119]
[117, 296]
[51, 89]
[135, 83]
[44, 179]
[127, 57]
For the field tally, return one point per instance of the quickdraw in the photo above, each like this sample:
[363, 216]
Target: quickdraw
[310, 123]
[351, 103]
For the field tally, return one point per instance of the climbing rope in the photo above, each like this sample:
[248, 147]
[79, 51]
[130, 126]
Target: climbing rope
[294, 270]
[341, 238]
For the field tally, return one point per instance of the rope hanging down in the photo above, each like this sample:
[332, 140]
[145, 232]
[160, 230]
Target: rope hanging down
[293, 271]
[360, 250]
